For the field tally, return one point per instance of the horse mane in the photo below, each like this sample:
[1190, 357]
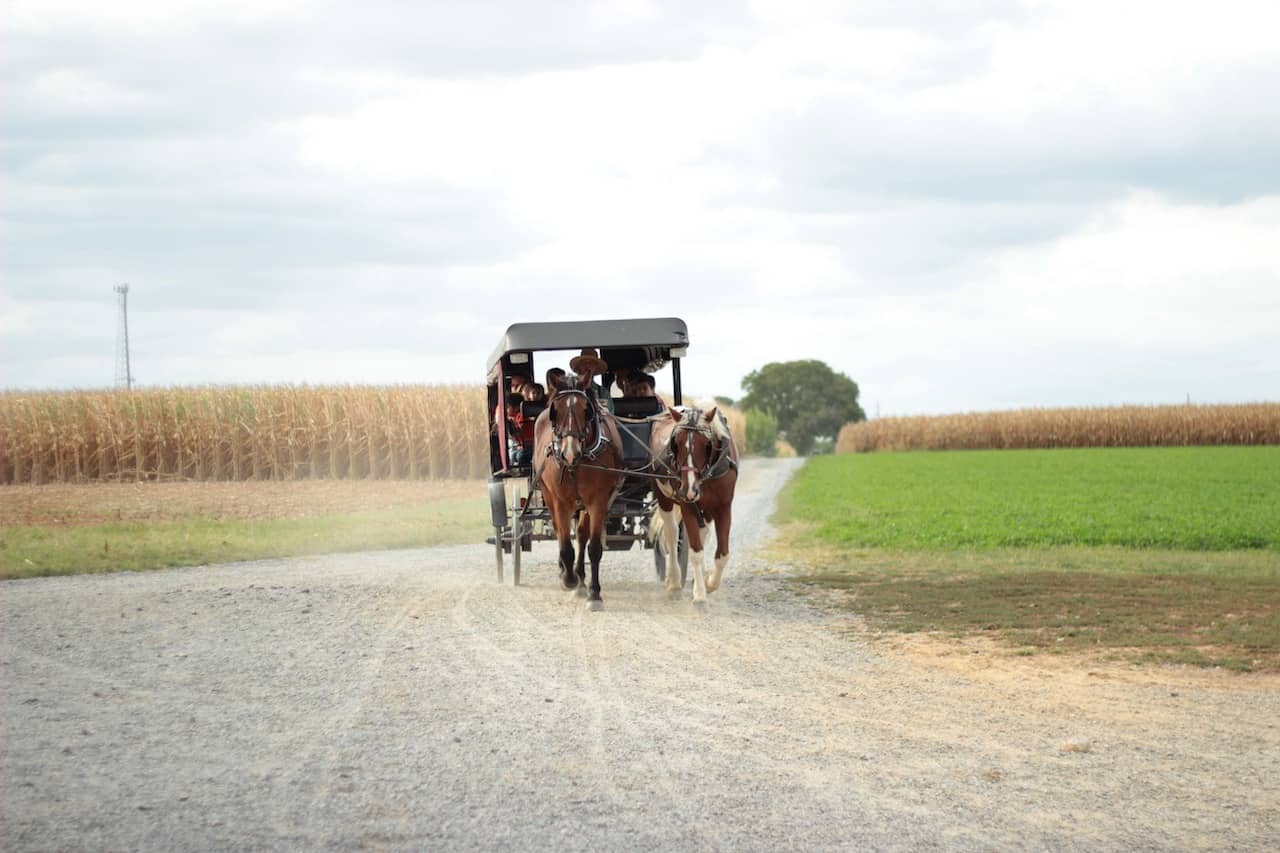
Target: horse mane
[721, 427]
[695, 418]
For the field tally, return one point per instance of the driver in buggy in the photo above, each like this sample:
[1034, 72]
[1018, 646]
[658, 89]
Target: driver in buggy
[587, 365]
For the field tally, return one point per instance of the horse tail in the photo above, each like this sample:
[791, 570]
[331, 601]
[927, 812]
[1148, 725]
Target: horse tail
[656, 523]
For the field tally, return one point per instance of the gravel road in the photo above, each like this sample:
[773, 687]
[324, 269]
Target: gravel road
[404, 700]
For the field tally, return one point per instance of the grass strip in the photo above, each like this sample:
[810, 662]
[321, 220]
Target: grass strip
[36, 551]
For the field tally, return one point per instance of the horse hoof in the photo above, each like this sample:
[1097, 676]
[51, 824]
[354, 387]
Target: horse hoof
[582, 591]
[700, 605]
[674, 594]
[571, 583]
[595, 605]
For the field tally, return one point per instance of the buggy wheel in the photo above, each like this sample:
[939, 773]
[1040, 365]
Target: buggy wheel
[517, 538]
[515, 566]
[497, 547]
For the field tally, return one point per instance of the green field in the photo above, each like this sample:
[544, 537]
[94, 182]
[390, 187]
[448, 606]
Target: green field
[35, 551]
[1145, 554]
[1184, 498]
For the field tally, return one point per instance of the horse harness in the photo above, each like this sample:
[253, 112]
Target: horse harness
[664, 470]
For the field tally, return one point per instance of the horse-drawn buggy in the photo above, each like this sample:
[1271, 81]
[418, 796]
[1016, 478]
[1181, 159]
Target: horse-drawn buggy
[568, 455]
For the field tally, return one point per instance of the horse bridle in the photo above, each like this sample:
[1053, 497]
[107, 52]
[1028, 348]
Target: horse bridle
[576, 431]
[700, 474]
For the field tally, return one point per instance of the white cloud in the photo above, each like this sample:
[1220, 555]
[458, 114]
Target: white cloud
[139, 17]
[72, 92]
[991, 203]
[1149, 295]
[1148, 272]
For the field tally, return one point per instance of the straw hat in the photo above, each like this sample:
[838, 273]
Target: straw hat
[588, 362]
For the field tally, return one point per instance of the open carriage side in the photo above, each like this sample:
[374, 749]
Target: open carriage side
[644, 344]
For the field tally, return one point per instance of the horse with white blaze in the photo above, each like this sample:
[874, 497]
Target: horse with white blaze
[697, 448]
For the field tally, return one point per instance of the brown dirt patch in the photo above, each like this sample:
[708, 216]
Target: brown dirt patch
[68, 505]
[989, 660]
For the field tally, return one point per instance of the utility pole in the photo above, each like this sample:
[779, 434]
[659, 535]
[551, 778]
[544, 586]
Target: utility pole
[124, 375]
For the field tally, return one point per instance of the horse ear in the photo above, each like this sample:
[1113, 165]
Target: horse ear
[557, 383]
[710, 416]
[675, 416]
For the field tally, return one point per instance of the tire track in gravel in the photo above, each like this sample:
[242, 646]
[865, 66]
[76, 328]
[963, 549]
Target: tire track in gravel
[653, 765]
[604, 705]
[537, 615]
[594, 733]
[322, 741]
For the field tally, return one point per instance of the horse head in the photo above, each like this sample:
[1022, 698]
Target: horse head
[573, 422]
[696, 442]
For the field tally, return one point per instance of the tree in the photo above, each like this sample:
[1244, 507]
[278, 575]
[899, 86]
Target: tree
[762, 433]
[809, 399]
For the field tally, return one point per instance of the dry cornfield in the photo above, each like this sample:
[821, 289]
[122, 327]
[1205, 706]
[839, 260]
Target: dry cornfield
[737, 420]
[1116, 426]
[414, 432]
[244, 433]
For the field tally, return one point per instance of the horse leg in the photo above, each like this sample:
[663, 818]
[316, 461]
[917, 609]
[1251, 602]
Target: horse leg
[583, 531]
[596, 550]
[560, 520]
[696, 540]
[723, 521]
[670, 535]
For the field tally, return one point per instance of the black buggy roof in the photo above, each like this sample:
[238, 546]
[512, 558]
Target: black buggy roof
[647, 340]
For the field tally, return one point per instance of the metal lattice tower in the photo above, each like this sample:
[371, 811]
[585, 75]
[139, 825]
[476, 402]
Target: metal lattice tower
[124, 376]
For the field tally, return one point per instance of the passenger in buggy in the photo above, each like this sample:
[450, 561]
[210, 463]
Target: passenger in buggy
[519, 433]
[643, 385]
[622, 377]
[533, 393]
[515, 385]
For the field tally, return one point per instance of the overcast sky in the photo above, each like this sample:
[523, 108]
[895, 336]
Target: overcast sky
[1000, 204]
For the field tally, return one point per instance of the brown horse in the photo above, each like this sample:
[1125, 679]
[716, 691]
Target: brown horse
[574, 441]
[698, 450]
